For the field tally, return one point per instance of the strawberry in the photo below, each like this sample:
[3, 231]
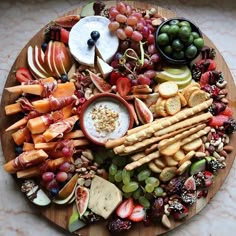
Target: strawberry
[227, 112]
[137, 214]
[182, 214]
[114, 76]
[208, 178]
[123, 86]
[204, 80]
[23, 75]
[218, 120]
[125, 209]
[206, 64]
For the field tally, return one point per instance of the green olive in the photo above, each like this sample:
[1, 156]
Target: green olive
[199, 43]
[174, 22]
[195, 35]
[184, 23]
[177, 45]
[190, 40]
[163, 39]
[184, 33]
[165, 29]
[191, 51]
[168, 50]
[178, 55]
[173, 30]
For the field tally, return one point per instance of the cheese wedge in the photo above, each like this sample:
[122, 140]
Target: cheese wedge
[106, 45]
[104, 197]
[104, 67]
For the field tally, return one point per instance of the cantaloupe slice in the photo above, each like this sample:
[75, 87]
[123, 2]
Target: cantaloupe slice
[13, 109]
[21, 136]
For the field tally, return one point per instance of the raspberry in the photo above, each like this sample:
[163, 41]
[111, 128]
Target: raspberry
[217, 121]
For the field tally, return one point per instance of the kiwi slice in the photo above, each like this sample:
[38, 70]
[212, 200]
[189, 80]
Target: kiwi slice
[198, 166]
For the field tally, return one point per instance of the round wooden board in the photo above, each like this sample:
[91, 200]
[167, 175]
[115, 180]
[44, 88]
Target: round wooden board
[60, 215]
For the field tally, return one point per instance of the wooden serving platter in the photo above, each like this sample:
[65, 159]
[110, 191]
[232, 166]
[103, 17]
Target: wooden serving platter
[59, 214]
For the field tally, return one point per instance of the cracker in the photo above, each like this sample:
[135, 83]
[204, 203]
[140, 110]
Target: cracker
[197, 97]
[179, 155]
[171, 149]
[190, 91]
[161, 108]
[193, 145]
[184, 167]
[159, 163]
[188, 156]
[182, 100]
[173, 105]
[169, 161]
[154, 168]
[168, 89]
[194, 84]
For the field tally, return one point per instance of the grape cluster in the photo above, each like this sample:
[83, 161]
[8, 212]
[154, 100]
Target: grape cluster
[139, 184]
[130, 24]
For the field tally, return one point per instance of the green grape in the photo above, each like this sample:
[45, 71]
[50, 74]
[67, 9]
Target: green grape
[144, 202]
[127, 195]
[144, 174]
[118, 176]
[158, 191]
[152, 180]
[130, 187]
[112, 169]
[111, 178]
[137, 193]
[149, 188]
[125, 176]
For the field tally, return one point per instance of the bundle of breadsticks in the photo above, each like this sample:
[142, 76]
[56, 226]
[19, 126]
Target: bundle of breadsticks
[164, 137]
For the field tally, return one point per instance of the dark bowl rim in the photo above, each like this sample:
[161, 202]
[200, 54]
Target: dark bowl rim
[169, 59]
[90, 101]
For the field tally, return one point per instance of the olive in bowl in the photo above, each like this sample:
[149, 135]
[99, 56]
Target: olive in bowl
[178, 40]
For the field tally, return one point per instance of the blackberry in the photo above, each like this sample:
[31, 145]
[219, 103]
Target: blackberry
[229, 126]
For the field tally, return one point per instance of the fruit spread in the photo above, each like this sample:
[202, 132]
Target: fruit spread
[150, 171]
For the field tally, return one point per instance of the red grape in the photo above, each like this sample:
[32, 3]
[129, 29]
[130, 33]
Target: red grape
[137, 36]
[142, 79]
[139, 26]
[121, 18]
[121, 34]
[66, 166]
[151, 49]
[145, 32]
[132, 20]
[48, 176]
[128, 31]
[67, 152]
[155, 58]
[113, 26]
[61, 176]
[113, 12]
[151, 39]
[128, 10]
[121, 7]
[150, 73]
[137, 15]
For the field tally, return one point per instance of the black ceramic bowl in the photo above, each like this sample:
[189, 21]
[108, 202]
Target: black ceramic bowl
[169, 57]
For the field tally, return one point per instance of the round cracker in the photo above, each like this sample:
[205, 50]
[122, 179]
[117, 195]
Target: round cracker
[168, 89]
[197, 97]
[173, 105]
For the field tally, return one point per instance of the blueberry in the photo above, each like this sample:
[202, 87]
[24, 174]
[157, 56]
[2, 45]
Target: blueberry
[44, 46]
[91, 42]
[54, 192]
[64, 78]
[18, 150]
[95, 35]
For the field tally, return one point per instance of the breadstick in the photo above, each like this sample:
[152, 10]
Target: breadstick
[196, 135]
[114, 143]
[147, 132]
[142, 161]
[165, 136]
[138, 156]
[184, 123]
[166, 142]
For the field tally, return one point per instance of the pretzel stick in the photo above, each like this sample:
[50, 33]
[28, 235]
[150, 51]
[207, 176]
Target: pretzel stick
[138, 156]
[184, 123]
[142, 161]
[196, 135]
[125, 150]
[168, 135]
[166, 142]
[147, 132]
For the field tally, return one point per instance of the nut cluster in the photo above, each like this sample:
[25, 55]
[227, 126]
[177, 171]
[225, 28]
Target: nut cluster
[105, 120]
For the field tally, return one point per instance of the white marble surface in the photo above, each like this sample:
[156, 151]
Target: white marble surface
[20, 20]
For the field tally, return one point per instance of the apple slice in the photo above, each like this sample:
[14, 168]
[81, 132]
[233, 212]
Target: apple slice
[32, 65]
[38, 60]
[104, 67]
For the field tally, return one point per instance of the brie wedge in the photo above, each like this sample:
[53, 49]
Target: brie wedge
[106, 45]
[104, 67]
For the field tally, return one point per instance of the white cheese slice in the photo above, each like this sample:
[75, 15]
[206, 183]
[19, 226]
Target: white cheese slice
[107, 44]
[104, 197]
[104, 67]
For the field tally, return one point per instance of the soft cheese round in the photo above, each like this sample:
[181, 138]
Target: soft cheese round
[106, 45]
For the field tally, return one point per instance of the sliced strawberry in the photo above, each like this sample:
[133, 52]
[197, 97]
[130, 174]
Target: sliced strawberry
[182, 214]
[227, 112]
[137, 214]
[23, 75]
[114, 76]
[208, 178]
[204, 80]
[207, 64]
[123, 86]
[218, 120]
[125, 209]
